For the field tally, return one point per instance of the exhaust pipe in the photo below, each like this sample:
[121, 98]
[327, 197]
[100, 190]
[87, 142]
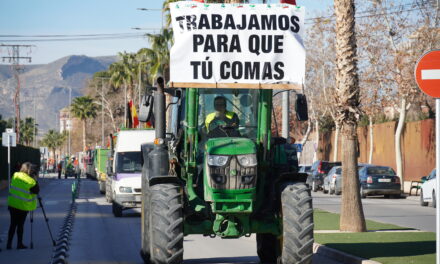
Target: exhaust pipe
[159, 109]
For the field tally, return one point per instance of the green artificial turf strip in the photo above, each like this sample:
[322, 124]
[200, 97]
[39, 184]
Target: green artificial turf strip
[330, 221]
[384, 247]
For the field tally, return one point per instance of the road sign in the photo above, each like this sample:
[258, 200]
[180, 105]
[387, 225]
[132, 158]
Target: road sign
[9, 139]
[427, 73]
[299, 147]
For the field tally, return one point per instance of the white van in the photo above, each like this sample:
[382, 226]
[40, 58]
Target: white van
[125, 181]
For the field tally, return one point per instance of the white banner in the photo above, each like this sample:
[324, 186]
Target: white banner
[237, 43]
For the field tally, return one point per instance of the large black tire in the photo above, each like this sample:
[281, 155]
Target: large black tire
[422, 203]
[116, 209]
[166, 224]
[297, 238]
[297, 213]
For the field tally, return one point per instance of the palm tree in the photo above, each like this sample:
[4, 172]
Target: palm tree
[51, 140]
[84, 108]
[347, 113]
[27, 131]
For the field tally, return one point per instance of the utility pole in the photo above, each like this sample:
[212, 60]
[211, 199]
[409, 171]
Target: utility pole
[14, 58]
[102, 113]
[70, 120]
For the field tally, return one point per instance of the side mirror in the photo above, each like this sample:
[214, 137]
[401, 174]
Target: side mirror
[146, 108]
[301, 107]
[424, 178]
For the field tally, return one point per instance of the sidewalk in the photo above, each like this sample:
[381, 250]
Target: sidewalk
[56, 197]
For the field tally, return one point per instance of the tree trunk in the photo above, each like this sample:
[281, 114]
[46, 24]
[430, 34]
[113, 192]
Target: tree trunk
[315, 155]
[347, 114]
[397, 137]
[370, 125]
[335, 151]
[84, 135]
[352, 213]
[305, 138]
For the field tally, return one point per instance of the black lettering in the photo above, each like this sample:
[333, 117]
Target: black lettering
[283, 22]
[279, 70]
[224, 75]
[251, 70]
[207, 69]
[217, 21]
[295, 25]
[209, 44]
[254, 44]
[229, 22]
[269, 22]
[243, 23]
[235, 44]
[191, 22]
[237, 70]
[197, 41]
[253, 23]
[195, 65]
[278, 43]
[180, 20]
[204, 22]
[266, 43]
[222, 43]
[267, 71]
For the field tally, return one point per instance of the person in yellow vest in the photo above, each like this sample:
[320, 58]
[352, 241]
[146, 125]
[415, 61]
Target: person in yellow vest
[221, 118]
[22, 199]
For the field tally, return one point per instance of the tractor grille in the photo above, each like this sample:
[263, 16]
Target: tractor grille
[233, 176]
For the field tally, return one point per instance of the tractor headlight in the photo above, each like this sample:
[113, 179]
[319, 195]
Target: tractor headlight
[125, 189]
[217, 160]
[248, 160]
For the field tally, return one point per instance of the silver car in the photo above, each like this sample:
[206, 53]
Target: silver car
[333, 180]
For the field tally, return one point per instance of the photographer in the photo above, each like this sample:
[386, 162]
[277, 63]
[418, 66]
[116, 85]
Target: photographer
[22, 199]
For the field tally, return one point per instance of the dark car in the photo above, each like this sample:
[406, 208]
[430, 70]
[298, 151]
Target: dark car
[319, 170]
[379, 180]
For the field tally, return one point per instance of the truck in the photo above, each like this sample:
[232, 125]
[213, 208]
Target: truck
[100, 162]
[124, 175]
[215, 167]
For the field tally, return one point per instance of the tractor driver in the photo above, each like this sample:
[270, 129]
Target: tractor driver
[222, 119]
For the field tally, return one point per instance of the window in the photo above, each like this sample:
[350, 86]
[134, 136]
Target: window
[128, 162]
[381, 171]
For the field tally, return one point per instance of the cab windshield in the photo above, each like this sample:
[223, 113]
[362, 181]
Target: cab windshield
[128, 162]
[237, 117]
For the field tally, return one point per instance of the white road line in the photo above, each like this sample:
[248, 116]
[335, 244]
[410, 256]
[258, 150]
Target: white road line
[431, 74]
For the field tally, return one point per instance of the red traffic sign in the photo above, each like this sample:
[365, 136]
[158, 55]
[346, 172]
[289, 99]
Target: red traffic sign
[428, 73]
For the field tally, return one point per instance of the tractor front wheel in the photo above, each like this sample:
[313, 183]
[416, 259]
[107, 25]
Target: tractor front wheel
[166, 224]
[295, 246]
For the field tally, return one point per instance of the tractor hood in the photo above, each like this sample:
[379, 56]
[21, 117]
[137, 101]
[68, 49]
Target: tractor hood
[230, 146]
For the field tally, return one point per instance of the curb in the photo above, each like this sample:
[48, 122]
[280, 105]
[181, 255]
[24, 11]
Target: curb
[340, 256]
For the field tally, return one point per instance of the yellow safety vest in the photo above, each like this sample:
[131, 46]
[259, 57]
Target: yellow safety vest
[20, 196]
[211, 116]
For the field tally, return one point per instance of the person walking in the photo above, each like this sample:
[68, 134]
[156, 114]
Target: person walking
[22, 199]
[59, 169]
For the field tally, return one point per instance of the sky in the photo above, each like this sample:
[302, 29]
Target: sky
[31, 18]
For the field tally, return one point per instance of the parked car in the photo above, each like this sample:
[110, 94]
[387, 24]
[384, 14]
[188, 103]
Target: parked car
[333, 180]
[379, 180]
[319, 170]
[428, 189]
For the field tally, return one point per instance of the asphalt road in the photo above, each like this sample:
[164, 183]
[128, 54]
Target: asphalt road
[405, 212]
[99, 237]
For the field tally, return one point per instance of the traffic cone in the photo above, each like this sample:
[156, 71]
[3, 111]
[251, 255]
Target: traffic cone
[291, 2]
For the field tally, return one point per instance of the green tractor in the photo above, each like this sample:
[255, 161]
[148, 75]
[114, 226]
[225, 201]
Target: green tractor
[222, 175]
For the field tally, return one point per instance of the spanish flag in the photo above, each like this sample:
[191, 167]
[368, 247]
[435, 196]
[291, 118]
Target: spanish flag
[134, 116]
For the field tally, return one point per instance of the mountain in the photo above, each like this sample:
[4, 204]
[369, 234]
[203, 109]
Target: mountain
[49, 84]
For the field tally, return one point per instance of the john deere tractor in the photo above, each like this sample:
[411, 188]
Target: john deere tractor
[223, 176]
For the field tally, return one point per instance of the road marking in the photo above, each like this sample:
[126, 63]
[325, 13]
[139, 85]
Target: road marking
[431, 74]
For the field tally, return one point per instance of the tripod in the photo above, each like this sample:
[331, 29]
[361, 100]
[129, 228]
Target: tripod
[47, 223]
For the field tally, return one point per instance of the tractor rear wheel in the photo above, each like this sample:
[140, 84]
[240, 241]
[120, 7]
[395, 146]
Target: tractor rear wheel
[297, 215]
[166, 224]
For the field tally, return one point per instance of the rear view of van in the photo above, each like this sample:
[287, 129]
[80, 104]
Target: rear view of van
[126, 181]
